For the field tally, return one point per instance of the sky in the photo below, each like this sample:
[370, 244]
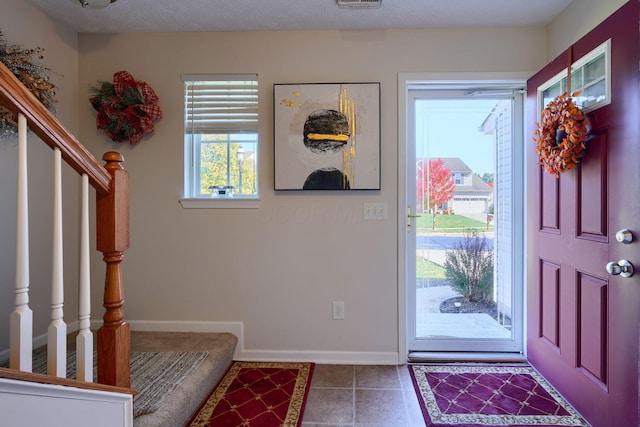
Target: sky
[449, 128]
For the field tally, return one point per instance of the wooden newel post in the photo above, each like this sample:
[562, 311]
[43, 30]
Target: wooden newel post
[112, 224]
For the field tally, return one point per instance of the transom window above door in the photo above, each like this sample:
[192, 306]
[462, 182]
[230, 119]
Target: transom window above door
[590, 76]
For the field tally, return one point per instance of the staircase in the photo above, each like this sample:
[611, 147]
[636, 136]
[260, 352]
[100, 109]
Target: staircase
[178, 407]
[115, 342]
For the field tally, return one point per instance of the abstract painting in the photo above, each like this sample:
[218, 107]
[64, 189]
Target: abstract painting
[327, 136]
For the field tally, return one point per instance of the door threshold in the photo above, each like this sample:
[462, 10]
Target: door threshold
[442, 356]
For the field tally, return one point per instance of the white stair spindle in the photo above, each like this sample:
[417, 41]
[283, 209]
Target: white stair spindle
[57, 333]
[84, 340]
[21, 320]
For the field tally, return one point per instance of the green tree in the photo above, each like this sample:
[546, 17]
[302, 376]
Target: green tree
[226, 164]
[248, 177]
[487, 177]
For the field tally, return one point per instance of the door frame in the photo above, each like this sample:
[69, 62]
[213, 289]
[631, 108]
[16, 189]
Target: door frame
[403, 259]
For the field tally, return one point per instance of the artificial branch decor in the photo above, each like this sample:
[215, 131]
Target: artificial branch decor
[33, 75]
[561, 135]
[127, 108]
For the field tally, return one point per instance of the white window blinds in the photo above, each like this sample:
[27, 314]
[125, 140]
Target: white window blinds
[216, 103]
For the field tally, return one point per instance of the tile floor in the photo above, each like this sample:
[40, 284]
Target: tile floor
[362, 396]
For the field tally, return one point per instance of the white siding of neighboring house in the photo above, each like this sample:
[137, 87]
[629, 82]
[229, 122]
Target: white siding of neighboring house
[500, 124]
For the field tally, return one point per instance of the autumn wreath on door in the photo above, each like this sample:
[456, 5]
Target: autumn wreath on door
[561, 135]
[127, 108]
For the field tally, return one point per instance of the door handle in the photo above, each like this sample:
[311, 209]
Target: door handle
[409, 216]
[623, 268]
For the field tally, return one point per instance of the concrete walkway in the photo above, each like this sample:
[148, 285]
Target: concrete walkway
[433, 324]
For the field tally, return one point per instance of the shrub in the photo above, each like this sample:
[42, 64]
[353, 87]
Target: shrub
[470, 268]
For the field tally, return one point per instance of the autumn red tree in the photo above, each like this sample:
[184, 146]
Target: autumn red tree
[434, 185]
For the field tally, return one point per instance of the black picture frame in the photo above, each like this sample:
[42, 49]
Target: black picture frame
[327, 136]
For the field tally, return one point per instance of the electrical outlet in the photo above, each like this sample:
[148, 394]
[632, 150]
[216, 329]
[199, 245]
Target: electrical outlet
[375, 211]
[338, 310]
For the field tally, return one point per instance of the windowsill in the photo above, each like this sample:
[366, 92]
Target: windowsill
[212, 203]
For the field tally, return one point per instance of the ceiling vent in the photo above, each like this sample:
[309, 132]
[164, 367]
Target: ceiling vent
[359, 4]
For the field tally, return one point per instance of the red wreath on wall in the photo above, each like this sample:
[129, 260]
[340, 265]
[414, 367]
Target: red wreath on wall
[127, 108]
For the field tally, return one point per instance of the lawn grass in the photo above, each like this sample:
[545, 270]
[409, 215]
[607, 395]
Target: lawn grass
[451, 224]
[427, 269]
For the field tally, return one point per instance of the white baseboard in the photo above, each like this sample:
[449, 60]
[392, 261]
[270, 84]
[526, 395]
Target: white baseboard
[243, 354]
[321, 357]
[235, 328]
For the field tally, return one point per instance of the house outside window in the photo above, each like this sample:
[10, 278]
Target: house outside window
[471, 194]
[220, 140]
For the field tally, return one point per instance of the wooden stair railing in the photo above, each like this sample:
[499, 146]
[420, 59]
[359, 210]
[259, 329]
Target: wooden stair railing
[111, 183]
[112, 227]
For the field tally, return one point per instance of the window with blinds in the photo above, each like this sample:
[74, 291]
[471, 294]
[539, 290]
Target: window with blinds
[221, 136]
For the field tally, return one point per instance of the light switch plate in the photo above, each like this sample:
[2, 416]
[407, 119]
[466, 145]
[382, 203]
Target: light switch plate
[375, 211]
[338, 310]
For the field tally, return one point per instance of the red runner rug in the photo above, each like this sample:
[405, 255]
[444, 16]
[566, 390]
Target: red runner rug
[257, 394]
[477, 396]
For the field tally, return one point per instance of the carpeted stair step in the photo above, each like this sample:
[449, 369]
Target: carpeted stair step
[178, 406]
[173, 372]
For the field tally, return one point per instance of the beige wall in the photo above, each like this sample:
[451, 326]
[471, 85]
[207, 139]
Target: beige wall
[277, 268]
[24, 25]
[576, 21]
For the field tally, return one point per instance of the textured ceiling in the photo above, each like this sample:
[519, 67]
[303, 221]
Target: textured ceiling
[247, 15]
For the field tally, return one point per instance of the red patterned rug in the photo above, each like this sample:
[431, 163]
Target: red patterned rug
[257, 394]
[488, 395]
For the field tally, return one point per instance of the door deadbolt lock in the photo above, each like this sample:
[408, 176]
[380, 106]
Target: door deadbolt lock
[623, 268]
[624, 236]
